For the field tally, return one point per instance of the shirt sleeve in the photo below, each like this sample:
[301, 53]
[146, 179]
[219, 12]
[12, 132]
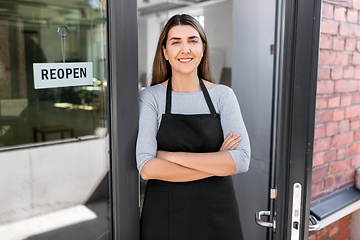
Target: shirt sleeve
[146, 144]
[232, 122]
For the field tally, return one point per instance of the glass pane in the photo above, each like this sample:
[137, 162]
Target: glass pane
[53, 142]
[154, 14]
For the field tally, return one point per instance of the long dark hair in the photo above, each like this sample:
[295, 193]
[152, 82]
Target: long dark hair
[161, 67]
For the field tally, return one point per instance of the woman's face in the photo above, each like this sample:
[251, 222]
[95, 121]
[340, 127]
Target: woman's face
[184, 49]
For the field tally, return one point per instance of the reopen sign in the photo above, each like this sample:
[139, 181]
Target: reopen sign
[51, 75]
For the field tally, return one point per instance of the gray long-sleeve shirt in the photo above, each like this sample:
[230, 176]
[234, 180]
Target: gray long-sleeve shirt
[152, 106]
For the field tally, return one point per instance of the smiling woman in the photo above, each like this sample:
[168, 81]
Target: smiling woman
[191, 139]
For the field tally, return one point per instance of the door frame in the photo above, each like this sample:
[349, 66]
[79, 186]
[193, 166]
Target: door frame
[296, 72]
[123, 117]
[299, 27]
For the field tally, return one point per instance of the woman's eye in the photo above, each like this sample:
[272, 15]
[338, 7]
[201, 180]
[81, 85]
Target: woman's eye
[194, 41]
[174, 43]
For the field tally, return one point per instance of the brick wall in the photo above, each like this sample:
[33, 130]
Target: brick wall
[337, 231]
[337, 123]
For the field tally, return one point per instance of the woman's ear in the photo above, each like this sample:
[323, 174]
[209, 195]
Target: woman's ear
[165, 53]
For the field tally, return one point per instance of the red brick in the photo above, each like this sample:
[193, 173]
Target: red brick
[338, 44]
[342, 58]
[313, 198]
[329, 183]
[329, 27]
[357, 136]
[346, 86]
[319, 132]
[343, 236]
[321, 102]
[357, 73]
[344, 223]
[356, 59]
[327, 58]
[323, 234]
[352, 112]
[356, 4]
[327, 11]
[318, 159]
[323, 116]
[355, 98]
[345, 100]
[340, 14]
[350, 44]
[344, 126]
[359, 87]
[333, 102]
[344, 3]
[352, 16]
[342, 153]
[348, 72]
[331, 129]
[355, 161]
[320, 172]
[323, 73]
[344, 178]
[316, 188]
[336, 72]
[353, 149]
[350, 174]
[340, 165]
[338, 114]
[354, 125]
[346, 29]
[325, 87]
[326, 42]
[321, 145]
[330, 156]
[312, 237]
[334, 230]
[358, 45]
[342, 140]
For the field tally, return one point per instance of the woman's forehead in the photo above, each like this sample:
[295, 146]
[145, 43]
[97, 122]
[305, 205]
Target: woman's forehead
[182, 31]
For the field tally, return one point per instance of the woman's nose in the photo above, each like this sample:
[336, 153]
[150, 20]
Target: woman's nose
[185, 48]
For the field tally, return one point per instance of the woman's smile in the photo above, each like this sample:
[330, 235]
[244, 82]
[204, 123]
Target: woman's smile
[185, 60]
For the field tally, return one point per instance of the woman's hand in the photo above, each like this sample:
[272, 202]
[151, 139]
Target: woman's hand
[230, 142]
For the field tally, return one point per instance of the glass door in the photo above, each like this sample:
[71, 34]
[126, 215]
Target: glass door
[251, 45]
[54, 141]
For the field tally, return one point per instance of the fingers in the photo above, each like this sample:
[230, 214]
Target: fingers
[231, 142]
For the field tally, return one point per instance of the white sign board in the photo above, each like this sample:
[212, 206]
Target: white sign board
[51, 75]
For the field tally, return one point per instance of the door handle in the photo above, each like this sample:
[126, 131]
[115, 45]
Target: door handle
[313, 224]
[262, 223]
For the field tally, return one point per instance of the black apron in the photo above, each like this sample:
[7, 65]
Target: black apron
[204, 209]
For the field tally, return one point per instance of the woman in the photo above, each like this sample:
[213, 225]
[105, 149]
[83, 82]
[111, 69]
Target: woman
[181, 149]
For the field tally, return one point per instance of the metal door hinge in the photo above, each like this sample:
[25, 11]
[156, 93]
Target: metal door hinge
[273, 193]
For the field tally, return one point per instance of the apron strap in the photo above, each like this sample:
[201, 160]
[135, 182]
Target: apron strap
[203, 89]
[207, 97]
[168, 97]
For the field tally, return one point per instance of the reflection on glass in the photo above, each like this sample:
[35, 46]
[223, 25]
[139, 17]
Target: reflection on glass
[154, 14]
[57, 190]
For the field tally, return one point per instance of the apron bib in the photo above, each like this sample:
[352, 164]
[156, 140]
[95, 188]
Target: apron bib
[204, 209]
